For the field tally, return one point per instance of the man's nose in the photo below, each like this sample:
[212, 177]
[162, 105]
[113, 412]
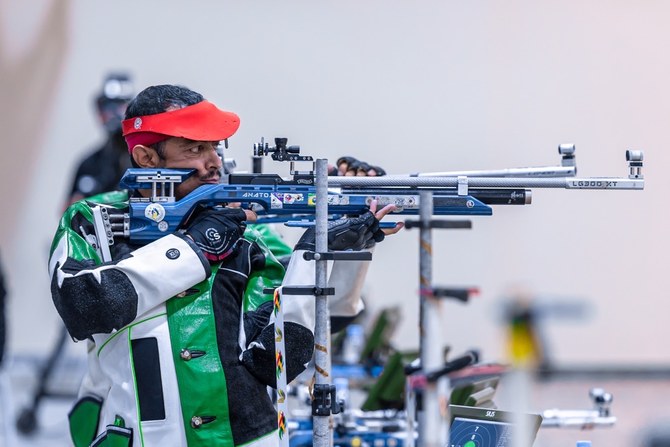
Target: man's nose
[213, 159]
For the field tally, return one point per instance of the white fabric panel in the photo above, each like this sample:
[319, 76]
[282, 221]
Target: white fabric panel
[94, 383]
[299, 308]
[347, 277]
[156, 277]
[270, 440]
[59, 255]
[115, 361]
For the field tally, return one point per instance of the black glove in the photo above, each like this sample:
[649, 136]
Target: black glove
[216, 231]
[353, 233]
[357, 166]
[379, 170]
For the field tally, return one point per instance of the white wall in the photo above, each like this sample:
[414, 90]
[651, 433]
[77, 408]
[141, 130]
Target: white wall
[412, 86]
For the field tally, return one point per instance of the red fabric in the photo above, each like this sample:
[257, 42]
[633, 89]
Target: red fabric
[199, 122]
[144, 139]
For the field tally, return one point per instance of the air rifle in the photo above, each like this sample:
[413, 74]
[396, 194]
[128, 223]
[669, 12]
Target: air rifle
[277, 199]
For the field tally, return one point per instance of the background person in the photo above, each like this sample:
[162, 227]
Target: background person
[101, 170]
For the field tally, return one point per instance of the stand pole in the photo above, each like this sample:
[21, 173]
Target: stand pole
[322, 433]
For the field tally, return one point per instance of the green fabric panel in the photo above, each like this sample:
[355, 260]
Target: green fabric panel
[202, 383]
[270, 276]
[78, 248]
[273, 240]
[117, 199]
[387, 392]
[83, 420]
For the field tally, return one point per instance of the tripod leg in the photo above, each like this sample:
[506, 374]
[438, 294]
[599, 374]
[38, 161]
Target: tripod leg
[26, 423]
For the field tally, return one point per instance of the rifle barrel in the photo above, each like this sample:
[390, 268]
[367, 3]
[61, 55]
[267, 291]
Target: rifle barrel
[489, 182]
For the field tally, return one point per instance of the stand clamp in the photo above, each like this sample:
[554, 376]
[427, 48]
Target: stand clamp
[437, 223]
[303, 290]
[458, 293]
[338, 256]
[325, 400]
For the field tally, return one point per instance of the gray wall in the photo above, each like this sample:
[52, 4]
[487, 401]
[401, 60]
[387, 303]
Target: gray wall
[412, 86]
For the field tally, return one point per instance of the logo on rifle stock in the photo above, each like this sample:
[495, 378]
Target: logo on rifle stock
[155, 212]
[290, 198]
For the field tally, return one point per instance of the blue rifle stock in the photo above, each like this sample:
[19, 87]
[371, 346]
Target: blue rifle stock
[276, 199]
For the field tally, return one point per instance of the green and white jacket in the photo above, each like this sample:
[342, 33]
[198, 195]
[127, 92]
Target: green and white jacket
[180, 352]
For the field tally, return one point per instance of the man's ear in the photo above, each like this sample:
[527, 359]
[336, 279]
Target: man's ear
[145, 157]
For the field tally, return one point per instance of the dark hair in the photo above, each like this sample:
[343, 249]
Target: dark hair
[158, 99]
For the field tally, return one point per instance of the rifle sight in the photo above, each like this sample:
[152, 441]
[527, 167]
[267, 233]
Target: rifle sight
[280, 151]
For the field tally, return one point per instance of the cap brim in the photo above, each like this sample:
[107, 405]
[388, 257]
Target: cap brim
[199, 122]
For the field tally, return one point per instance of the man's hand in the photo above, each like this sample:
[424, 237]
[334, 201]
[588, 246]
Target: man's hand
[353, 233]
[353, 167]
[379, 215]
[216, 231]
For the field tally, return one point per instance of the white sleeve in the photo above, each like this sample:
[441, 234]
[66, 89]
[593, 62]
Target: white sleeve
[346, 277]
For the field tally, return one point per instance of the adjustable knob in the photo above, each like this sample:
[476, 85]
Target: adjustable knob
[602, 400]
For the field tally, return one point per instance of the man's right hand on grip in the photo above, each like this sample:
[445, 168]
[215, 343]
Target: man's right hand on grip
[216, 231]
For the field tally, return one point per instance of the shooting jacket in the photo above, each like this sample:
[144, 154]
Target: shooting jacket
[180, 352]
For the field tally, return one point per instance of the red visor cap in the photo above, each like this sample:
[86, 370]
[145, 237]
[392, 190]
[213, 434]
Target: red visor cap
[200, 122]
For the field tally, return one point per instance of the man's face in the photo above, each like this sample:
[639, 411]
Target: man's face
[188, 154]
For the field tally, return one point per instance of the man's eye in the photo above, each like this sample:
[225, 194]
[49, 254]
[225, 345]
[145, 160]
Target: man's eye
[196, 149]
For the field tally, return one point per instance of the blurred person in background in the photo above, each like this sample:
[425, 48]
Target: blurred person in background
[101, 170]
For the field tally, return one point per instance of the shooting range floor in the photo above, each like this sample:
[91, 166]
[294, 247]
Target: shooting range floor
[640, 404]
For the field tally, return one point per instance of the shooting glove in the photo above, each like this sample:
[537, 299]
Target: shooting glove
[355, 233]
[216, 231]
[357, 167]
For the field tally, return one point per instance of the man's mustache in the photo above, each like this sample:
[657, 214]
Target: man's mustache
[212, 174]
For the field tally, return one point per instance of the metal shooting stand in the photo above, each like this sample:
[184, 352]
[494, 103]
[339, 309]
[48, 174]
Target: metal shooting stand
[431, 353]
[325, 395]
[325, 402]
[432, 427]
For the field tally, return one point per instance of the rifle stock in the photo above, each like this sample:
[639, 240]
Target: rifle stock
[277, 200]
